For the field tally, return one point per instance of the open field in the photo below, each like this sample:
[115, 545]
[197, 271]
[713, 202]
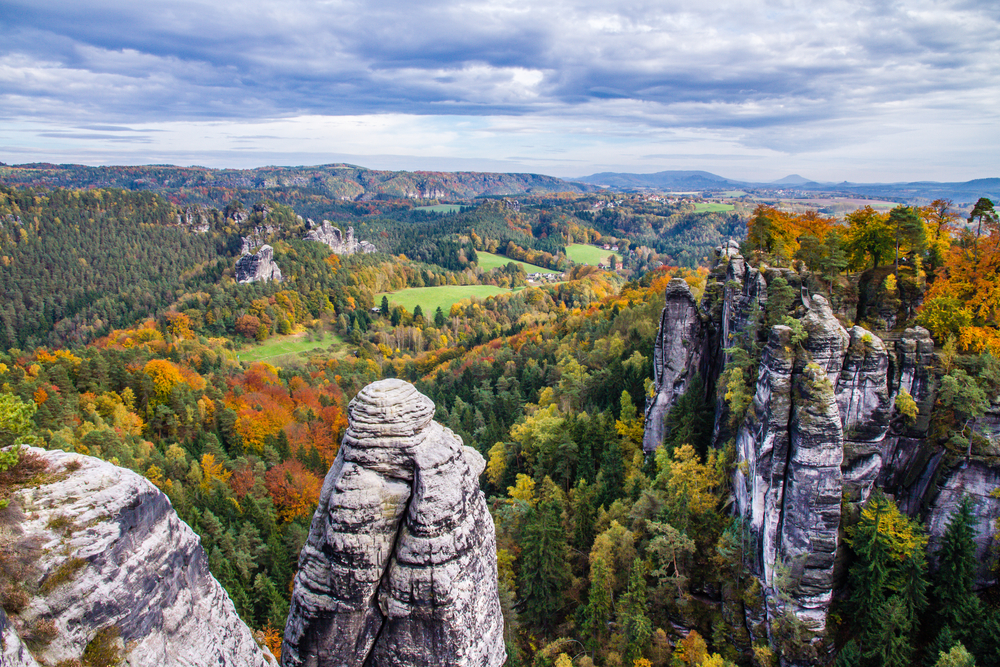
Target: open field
[590, 254]
[713, 207]
[284, 350]
[488, 260]
[430, 298]
[440, 208]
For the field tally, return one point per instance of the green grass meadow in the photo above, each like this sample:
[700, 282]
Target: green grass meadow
[286, 350]
[488, 261]
[430, 298]
[588, 254]
[713, 207]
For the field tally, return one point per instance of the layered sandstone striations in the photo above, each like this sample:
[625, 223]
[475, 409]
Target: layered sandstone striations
[106, 552]
[258, 267]
[823, 428]
[337, 241]
[790, 451]
[677, 351]
[400, 564]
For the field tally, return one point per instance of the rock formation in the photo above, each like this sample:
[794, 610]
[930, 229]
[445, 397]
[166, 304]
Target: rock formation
[678, 350]
[106, 550]
[822, 428]
[341, 245]
[258, 267]
[400, 564]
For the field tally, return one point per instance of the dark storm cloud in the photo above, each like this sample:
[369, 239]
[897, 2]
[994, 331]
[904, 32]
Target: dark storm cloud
[759, 66]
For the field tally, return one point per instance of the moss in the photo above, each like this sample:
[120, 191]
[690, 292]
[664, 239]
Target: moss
[62, 574]
[103, 650]
[62, 523]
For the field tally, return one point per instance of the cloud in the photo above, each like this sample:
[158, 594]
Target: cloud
[794, 78]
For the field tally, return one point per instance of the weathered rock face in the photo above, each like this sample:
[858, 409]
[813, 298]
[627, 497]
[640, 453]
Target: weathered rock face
[258, 267]
[823, 427]
[400, 564]
[865, 410]
[125, 560]
[676, 358]
[975, 479]
[340, 244]
[791, 448]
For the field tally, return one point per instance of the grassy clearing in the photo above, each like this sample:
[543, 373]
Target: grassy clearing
[284, 350]
[713, 207]
[488, 260]
[440, 208]
[589, 254]
[430, 298]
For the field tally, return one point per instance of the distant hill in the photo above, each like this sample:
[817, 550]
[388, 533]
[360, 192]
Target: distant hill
[915, 192]
[673, 180]
[341, 182]
[793, 179]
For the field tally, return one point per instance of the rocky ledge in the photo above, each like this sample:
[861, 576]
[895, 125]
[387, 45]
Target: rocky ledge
[400, 565]
[96, 553]
[338, 243]
[259, 267]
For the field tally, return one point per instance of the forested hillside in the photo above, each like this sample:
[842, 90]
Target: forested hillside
[123, 330]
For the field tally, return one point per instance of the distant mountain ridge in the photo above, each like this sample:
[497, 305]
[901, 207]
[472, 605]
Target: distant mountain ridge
[343, 182]
[960, 192]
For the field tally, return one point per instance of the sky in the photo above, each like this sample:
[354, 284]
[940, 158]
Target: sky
[834, 90]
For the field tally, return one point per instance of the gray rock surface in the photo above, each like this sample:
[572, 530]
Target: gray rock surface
[258, 267]
[132, 564]
[12, 650]
[400, 564]
[338, 242]
[676, 358]
[975, 479]
[865, 410]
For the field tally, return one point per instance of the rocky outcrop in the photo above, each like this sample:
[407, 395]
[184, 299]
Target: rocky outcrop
[865, 410]
[823, 429]
[400, 564]
[676, 358]
[107, 551]
[258, 267]
[339, 244]
[789, 479]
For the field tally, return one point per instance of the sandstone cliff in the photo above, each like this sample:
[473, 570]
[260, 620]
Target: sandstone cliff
[822, 428]
[257, 267]
[678, 350]
[103, 554]
[400, 564]
[337, 241]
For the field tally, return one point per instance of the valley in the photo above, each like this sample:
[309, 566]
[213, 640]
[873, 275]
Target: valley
[767, 432]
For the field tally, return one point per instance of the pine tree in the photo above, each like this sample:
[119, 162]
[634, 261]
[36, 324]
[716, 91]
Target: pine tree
[942, 644]
[849, 655]
[633, 615]
[544, 568]
[600, 606]
[955, 604]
